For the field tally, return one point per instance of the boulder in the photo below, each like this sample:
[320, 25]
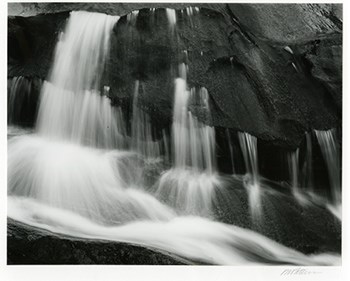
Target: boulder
[274, 71]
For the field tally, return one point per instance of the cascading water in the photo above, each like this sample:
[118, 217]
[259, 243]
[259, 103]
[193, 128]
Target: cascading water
[22, 101]
[53, 167]
[143, 141]
[71, 106]
[330, 152]
[248, 145]
[189, 186]
[75, 176]
[307, 172]
[293, 166]
[229, 141]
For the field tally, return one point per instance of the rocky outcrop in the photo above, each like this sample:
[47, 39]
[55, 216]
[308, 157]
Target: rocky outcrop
[30, 245]
[271, 70]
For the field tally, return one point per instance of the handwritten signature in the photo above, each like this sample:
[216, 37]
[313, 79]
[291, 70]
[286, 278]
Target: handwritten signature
[298, 271]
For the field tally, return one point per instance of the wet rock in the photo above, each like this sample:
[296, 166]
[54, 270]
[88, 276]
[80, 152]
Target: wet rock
[30, 245]
[288, 23]
[308, 228]
[271, 70]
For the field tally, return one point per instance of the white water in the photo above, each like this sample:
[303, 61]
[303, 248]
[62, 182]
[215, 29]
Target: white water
[194, 238]
[19, 89]
[249, 149]
[71, 105]
[97, 184]
[143, 141]
[190, 185]
[327, 141]
[294, 177]
[71, 178]
[330, 152]
[193, 142]
[171, 15]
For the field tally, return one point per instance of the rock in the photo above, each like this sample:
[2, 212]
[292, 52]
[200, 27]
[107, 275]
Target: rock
[288, 23]
[30, 245]
[309, 228]
[271, 70]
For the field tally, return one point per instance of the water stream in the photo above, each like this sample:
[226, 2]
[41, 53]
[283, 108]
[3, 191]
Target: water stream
[80, 173]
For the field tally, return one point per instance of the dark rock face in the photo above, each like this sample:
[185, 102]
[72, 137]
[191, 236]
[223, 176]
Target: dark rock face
[23, 100]
[271, 70]
[30, 245]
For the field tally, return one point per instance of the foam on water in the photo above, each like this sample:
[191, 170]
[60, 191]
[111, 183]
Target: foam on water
[94, 183]
[194, 238]
[74, 177]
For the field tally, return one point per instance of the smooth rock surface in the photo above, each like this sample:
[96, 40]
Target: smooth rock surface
[30, 245]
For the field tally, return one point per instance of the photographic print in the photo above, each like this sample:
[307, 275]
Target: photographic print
[174, 134]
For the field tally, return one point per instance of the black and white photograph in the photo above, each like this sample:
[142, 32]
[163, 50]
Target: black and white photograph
[192, 134]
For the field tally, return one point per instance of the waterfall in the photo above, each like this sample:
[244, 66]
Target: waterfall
[22, 100]
[229, 141]
[67, 165]
[293, 165]
[89, 182]
[143, 141]
[307, 174]
[249, 149]
[86, 173]
[294, 176]
[248, 145]
[193, 142]
[330, 152]
[328, 144]
[19, 91]
[189, 186]
[171, 15]
[72, 107]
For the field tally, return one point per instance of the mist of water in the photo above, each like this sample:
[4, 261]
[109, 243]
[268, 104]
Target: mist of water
[97, 184]
[81, 175]
[194, 238]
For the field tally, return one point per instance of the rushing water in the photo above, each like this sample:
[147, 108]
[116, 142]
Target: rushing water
[71, 105]
[190, 184]
[80, 173]
[330, 151]
[248, 145]
[229, 141]
[142, 137]
[22, 100]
